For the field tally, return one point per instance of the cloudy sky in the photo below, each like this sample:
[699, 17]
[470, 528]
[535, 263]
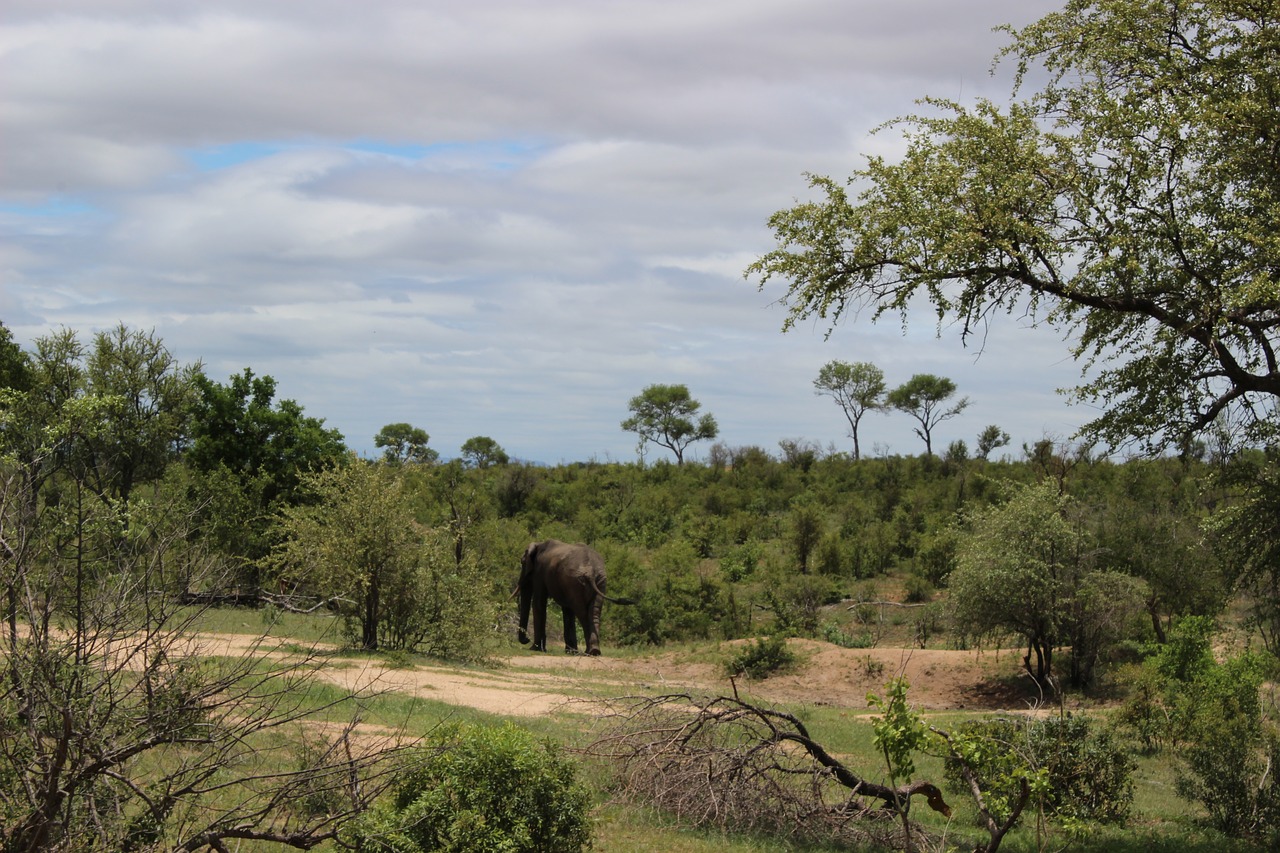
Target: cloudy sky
[498, 218]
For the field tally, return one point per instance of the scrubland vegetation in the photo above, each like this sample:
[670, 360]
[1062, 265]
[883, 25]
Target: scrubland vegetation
[1130, 202]
[122, 526]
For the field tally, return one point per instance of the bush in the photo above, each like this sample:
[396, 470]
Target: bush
[495, 788]
[1232, 750]
[761, 658]
[917, 589]
[1089, 776]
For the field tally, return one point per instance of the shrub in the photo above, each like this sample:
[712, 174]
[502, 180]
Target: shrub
[492, 788]
[1232, 751]
[761, 658]
[1089, 776]
[917, 589]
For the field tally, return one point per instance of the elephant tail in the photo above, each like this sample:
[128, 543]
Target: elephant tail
[618, 600]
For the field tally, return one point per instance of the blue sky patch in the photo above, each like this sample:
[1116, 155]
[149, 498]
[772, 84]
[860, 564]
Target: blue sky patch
[499, 154]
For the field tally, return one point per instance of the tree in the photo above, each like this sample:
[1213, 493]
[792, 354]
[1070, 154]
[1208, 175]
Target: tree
[804, 529]
[117, 732]
[129, 372]
[857, 388]
[923, 396]
[1026, 568]
[663, 415]
[405, 443]
[1131, 202]
[252, 453]
[152, 398]
[991, 438]
[15, 364]
[480, 451]
[396, 584]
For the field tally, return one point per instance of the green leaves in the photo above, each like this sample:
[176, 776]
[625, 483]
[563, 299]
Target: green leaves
[899, 731]
[1133, 203]
[664, 415]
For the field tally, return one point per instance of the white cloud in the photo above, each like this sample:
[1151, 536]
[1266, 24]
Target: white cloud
[502, 218]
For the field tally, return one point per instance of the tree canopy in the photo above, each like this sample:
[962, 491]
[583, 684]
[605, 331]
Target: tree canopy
[404, 442]
[664, 415]
[1132, 202]
[481, 451]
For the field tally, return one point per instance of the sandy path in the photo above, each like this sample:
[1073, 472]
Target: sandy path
[529, 684]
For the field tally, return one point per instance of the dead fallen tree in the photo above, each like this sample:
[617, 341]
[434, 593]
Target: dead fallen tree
[727, 763]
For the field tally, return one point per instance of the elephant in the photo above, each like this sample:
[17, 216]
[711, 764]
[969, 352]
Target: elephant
[573, 575]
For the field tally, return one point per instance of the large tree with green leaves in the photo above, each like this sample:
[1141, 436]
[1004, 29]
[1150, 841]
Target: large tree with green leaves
[1132, 201]
[664, 415]
[405, 443]
[1027, 567]
[857, 387]
[151, 396]
[250, 452]
[480, 451]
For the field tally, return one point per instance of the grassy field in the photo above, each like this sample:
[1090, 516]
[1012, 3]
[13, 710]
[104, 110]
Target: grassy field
[1160, 822]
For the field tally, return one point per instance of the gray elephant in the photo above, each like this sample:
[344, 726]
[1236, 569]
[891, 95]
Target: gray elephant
[572, 575]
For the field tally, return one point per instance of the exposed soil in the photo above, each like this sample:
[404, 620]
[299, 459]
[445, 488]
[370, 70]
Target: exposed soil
[528, 683]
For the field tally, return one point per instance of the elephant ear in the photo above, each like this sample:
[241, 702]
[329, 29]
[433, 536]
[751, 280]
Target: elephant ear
[530, 554]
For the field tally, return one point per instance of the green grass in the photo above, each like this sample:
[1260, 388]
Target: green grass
[302, 627]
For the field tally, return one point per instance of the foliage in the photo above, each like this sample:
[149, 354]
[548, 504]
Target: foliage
[474, 787]
[480, 451]
[663, 415]
[116, 731]
[924, 397]
[856, 387]
[1131, 201]
[395, 583]
[250, 453]
[1149, 523]
[1232, 749]
[991, 438]
[1023, 568]
[1084, 774]
[761, 658]
[15, 364]
[152, 395]
[133, 400]
[804, 530]
[899, 730]
[405, 444]
[1249, 537]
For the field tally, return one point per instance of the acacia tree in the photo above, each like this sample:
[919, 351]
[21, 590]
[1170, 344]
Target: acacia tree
[664, 415]
[405, 443]
[924, 397]
[1131, 201]
[857, 387]
[480, 451]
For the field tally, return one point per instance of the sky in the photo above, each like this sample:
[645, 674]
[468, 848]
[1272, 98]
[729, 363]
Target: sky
[500, 218]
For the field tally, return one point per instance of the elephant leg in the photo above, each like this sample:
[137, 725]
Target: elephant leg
[539, 621]
[591, 624]
[570, 631]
